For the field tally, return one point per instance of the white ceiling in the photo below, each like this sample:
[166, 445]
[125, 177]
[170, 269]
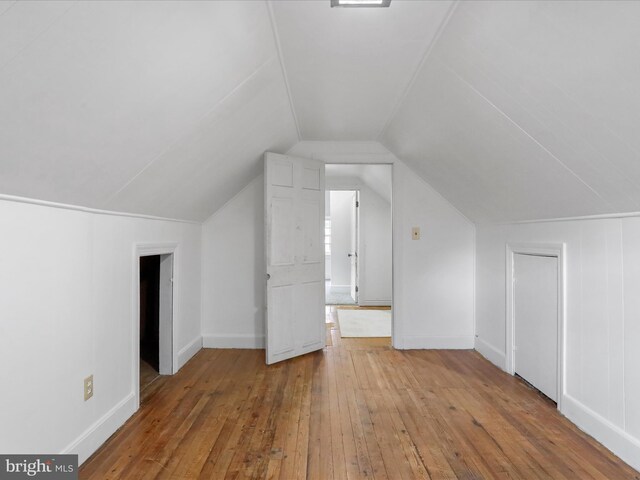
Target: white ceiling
[376, 177]
[511, 110]
[529, 110]
[348, 67]
[163, 108]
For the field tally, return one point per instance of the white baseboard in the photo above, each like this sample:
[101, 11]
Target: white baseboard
[189, 351]
[491, 353]
[232, 341]
[374, 303]
[98, 433]
[464, 342]
[611, 436]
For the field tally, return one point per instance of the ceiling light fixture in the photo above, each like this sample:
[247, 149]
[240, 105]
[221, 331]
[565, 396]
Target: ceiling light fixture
[360, 3]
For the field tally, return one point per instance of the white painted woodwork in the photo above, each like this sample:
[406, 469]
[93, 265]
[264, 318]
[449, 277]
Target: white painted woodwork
[602, 279]
[535, 313]
[294, 240]
[68, 302]
[354, 247]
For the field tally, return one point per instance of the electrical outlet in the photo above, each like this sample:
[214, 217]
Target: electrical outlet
[415, 233]
[88, 387]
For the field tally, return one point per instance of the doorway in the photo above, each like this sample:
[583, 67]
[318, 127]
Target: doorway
[295, 221]
[358, 249]
[535, 324]
[341, 247]
[155, 339]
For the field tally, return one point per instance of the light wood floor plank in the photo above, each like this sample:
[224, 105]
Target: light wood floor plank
[357, 410]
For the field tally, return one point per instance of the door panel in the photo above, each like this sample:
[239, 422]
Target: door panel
[294, 236]
[282, 331]
[313, 235]
[309, 298]
[282, 231]
[536, 321]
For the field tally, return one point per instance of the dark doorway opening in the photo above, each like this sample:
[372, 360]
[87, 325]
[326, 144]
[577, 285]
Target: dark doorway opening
[149, 320]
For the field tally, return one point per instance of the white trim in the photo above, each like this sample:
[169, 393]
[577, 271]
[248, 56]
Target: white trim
[491, 353]
[241, 340]
[142, 250]
[187, 352]
[460, 342]
[602, 216]
[66, 206]
[611, 436]
[98, 433]
[548, 250]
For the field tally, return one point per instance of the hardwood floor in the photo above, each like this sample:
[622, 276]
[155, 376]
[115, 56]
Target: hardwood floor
[358, 409]
[148, 375]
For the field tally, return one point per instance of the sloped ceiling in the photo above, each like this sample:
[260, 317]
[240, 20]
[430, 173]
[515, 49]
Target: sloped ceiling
[376, 177]
[529, 110]
[348, 67]
[511, 110]
[162, 108]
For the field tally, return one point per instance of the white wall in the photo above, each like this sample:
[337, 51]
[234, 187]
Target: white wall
[233, 272]
[66, 283]
[341, 207]
[375, 255]
[602, 356]
[433, 277]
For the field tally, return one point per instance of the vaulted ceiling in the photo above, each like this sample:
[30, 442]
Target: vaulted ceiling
[528, 110]
[163, 108]
[512, 110]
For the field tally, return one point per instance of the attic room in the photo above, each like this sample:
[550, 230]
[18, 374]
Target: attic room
[176, 294]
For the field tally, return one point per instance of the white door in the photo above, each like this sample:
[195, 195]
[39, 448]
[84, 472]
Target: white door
[294, 238]
[536, 321]
[353, 255]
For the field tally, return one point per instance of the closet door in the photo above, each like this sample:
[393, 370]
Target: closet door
[536, 321]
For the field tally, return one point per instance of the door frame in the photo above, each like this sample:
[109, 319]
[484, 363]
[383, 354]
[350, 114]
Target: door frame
[145, 250]
[356, 232]
[356, 190]
[395, 327]
[557, 250]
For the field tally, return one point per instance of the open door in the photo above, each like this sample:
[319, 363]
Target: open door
[353, 255]
[294, 240]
